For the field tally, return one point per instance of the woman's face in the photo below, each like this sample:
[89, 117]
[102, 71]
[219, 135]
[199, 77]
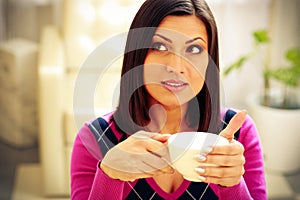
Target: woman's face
[175, 65]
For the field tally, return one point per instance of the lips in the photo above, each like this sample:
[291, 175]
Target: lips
[174, 85]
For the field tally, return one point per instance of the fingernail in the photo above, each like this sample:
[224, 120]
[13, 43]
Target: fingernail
[207, 149]
[200, 170]
[168, 170]
[202, 178]
[200, 157]
[171, 170]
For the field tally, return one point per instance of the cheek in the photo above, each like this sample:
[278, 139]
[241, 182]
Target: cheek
[152, 73]
[200, 63]
[198, 71]
[152, 78]
[197, 83]
[151, 69]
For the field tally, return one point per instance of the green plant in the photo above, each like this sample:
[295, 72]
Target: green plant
[288, 75]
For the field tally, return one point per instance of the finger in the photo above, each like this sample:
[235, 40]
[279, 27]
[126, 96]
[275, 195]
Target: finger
[145, 140]
[161, 137]
[156, 136]
[143, 135]
[155, 161]
[132, 176]
[220, 172]
[156, 171]
[234, 148]
[221, 160]
[153, 164]
[157, 148]
[228, 181]
[234, 125]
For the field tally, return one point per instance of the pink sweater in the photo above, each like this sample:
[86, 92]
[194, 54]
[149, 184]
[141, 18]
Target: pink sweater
[88, 181]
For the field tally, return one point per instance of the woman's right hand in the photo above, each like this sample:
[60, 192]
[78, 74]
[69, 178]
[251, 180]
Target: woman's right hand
[142, 155]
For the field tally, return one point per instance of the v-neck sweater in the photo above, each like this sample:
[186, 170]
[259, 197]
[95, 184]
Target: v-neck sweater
[88, 181]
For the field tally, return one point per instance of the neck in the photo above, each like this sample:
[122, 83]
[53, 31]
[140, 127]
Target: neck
[167, 119]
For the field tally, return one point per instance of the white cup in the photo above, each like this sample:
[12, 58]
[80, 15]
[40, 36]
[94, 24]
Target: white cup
[184, 146]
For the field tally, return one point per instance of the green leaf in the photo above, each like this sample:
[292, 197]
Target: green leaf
[236, 65]
[288, 76]
[293, 55]
[261, 36]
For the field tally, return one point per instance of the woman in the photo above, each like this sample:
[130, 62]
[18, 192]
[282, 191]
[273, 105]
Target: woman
[169, 84]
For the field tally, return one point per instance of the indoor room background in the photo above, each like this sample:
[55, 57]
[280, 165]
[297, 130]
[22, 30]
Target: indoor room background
[44, 47]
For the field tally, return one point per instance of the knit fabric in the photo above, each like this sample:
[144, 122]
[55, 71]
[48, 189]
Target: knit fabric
[88, 181]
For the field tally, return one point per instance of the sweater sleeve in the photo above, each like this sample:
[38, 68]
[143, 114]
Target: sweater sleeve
[253, 183]
[88, 181]
[254, 167]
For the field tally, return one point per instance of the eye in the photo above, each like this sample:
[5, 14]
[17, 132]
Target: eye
[158, 46]
[194, 49]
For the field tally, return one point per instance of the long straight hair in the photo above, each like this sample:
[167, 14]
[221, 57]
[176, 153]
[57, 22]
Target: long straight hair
[132, 111]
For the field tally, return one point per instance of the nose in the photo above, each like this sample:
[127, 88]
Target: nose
[176, 63]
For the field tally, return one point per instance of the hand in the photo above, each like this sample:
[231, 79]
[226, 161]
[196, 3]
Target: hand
[142, 155]
[228, 159]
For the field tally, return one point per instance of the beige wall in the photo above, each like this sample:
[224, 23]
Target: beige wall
[285, 29]
[2, 20]
[236, 20]
[25, 18]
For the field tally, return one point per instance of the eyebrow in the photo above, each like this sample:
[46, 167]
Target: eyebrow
[187, 42]
[196, 38]
[163, 37]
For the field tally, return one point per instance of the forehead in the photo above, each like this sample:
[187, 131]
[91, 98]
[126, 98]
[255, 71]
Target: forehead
[189, 26]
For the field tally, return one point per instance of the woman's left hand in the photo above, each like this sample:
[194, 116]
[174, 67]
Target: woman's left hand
[228, 163]
[228, 160]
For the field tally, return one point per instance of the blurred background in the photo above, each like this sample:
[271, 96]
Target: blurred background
[44, 48]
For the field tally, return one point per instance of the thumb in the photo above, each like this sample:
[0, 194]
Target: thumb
[234, 125]
[158, 144]
[161, 137]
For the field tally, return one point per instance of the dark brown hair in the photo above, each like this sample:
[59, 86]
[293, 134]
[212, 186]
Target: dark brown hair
[132, 112]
